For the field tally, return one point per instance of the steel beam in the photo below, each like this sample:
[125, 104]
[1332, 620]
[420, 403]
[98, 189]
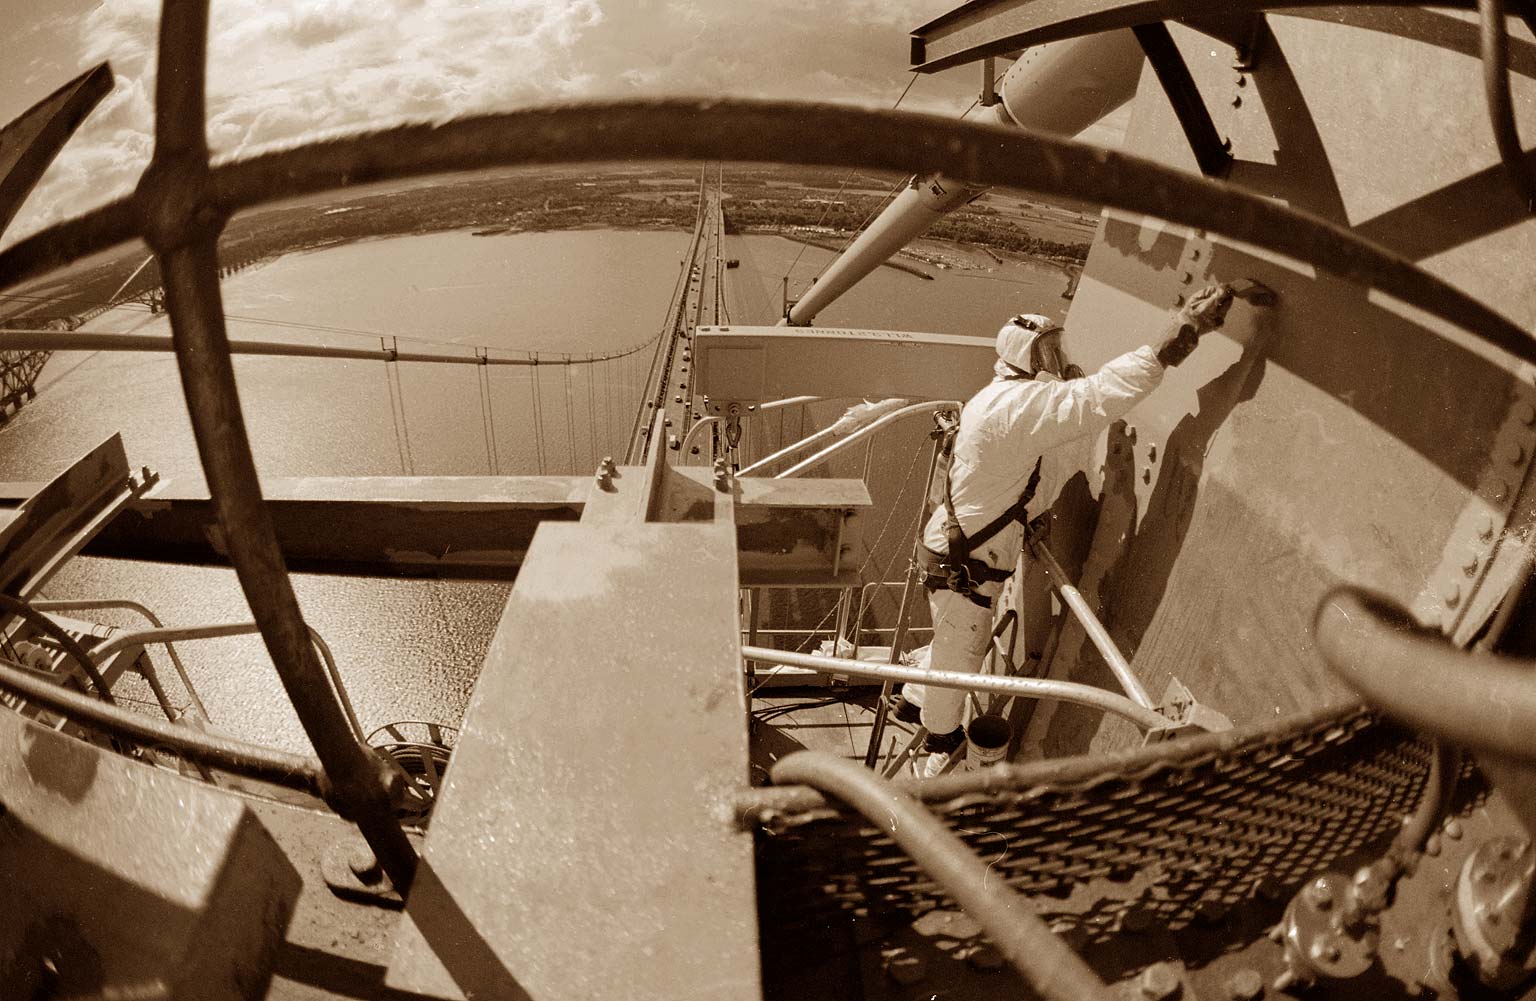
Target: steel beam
[460, 527]
[748, 365]
[29, 143]
[984, 28]
[584, 844]
[1188, 106]
[123, 880]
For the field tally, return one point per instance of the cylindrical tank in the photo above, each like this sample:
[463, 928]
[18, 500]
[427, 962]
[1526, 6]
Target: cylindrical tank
[1063, 87]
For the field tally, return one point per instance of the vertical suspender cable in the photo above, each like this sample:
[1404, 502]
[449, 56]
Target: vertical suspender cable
[570, 413]
[405, 427]
[608, 405]
[490, 413]
[591, 417]
[394, 415]
[538, 415]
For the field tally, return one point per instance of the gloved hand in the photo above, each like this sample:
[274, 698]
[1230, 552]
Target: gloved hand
[1205, 311]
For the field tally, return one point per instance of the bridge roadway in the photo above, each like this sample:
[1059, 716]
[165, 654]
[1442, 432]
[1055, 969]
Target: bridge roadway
[699, 300]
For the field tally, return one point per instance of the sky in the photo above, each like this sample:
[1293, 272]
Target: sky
[280, 70]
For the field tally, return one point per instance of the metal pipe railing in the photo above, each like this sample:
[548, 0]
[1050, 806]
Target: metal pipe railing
[813, 461]
[1479, 701]
[238, 757]
[1092, 626]
[181, 223]
[147, 637]
[1494, 42]
[1045, 962]
[43, 624]
[1027, 688]
[788, 450]
[96, 604]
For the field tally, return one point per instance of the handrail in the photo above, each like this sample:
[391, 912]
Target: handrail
[161, 634]
[93, 604]
[701, 423]
[1092, 626]
[813, 461]
[1028, 688]
[1494, 39]
[790, 449]
[1045, 962]
[181, 220]
[1479, 701]
[37, 620]
[197, 746]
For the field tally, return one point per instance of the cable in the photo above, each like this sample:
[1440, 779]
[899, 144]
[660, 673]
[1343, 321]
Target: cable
[538, 415]
[389, 386]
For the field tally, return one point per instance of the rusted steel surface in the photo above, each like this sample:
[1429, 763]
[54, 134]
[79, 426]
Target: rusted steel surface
[778, 132]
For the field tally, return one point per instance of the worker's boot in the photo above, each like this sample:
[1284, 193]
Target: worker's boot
[940, 747]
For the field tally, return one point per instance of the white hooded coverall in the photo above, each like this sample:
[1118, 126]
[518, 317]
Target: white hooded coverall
[1004, 428]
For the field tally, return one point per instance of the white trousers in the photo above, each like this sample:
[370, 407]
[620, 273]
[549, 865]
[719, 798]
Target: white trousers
[962, 631]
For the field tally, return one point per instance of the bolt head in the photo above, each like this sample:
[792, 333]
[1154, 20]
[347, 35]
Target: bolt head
[1245, 985]
[1160, 982]
[1319, 895]
[1453, 829]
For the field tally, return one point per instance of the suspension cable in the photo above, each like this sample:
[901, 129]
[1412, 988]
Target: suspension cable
[394, 415]
[570, 416]
[405, 427]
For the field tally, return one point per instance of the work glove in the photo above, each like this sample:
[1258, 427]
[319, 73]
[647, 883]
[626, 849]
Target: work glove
[1205, 311]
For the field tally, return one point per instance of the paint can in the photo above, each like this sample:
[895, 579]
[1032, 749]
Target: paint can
[987, 740]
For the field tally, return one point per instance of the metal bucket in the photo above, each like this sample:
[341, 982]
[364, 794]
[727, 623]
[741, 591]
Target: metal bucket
[987, 739]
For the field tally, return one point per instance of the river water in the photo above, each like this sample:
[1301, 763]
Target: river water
[411, 649]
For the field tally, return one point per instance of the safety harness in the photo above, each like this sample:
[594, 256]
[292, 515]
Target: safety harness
[956, 570]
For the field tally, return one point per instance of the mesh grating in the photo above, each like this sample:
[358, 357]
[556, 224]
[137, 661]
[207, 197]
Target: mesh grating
[1161, 841]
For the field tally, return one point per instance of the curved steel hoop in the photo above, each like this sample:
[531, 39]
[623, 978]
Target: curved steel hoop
[789, 132]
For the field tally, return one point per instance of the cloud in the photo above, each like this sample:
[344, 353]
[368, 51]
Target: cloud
[278, 73]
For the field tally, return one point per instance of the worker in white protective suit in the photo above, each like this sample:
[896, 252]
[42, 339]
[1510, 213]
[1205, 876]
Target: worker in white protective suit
[1036, 402]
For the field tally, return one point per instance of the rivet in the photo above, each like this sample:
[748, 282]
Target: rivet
[1245, 985]
[1526, 413]
[1237, 100]
[1485, 526]
[1241, 80]
[1450, 593]
[1146, 476]
[1514, 452]
[1159, 982]
[1453, 829]
[1500, 491]
[1187, 277]
[1470, 566]
[1432, 845]
[1178, 300]
[1319, 896]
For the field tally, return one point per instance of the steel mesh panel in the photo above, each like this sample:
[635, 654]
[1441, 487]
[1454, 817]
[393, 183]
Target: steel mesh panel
[1159, 843]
